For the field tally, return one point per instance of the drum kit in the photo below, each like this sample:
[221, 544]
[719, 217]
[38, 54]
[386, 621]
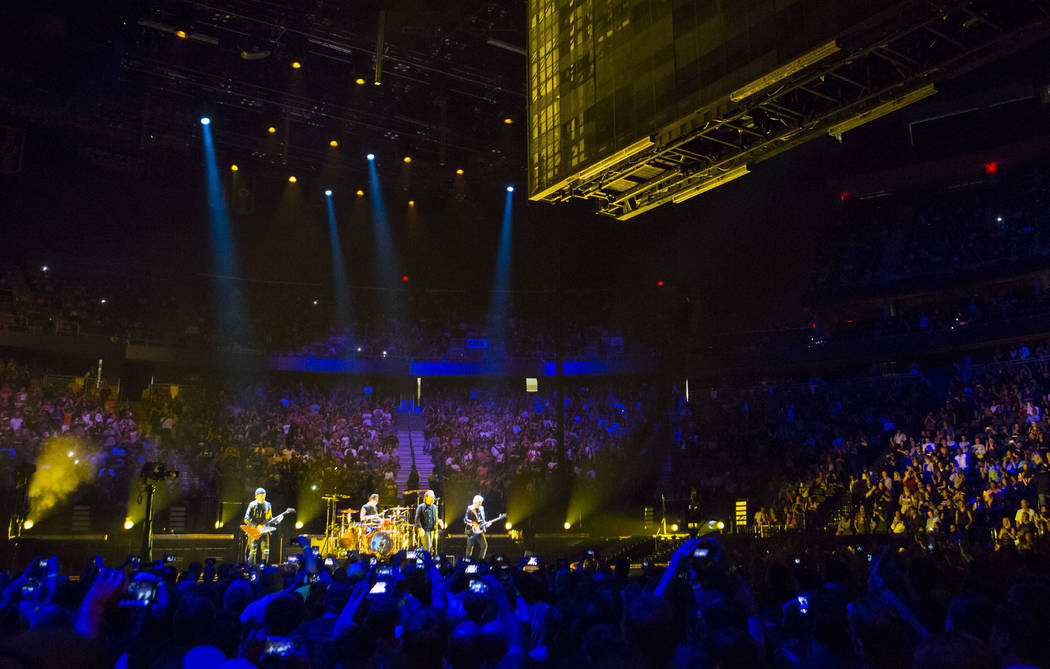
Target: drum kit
[386, 533]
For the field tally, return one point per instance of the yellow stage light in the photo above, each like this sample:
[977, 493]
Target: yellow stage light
[360, 193]
[674, 528]
[509, 527]
[568, 526]
[292, 179]
[181, 34]
[333, 143]
[359, 81]
[296, 65]
[508, 120]
[28, 525]
[234, 168]
[298, 524]
[218, 524]
[407, 159]
[271, 130]
[460, 171]
[411, 203]
[128, 524]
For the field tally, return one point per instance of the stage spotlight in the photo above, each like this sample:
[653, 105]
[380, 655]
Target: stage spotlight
[298, 524]
[44, 268]
[218, 524]
[674, 528]
[360, 193]
[70, 454]
[128, 524]
[411, 203]
[508, 527]
[659, 283]
[404, 278]
[371, 156]
[28, 525]
[181, 34]
[510, 189]
[567, 526]
[407, 159]
[234, 168]
[315, 303]
[292, 179]
[508, 120]
[333, 143]
[313, 487]
[271, 130]
[460, 171]
[359, 81]
[205, 120]
[102, 301]
[328, 193]
[296, 65]
[721, 525]
[378, 83]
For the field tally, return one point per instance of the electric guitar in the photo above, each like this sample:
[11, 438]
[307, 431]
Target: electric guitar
[256, 531]
[479, 528]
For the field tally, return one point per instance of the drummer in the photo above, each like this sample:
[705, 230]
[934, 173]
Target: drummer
[370, 511]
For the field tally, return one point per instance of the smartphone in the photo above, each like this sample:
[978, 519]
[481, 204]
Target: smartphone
[293, 558]
[869, 557]
[410, 555]
[803, 604]
[316, 551]
[136, 563]
[378, 589]
[533, 561]
[373, 561]
[478, 586]
[701, 552]
[419, 563]
[169, 558]
[329, 562]
[471, 569]
[385, 573]
[254, 577]
[590, 552]
[278, 646]
[313, 578]
[42, 563]
[141, 592]
[30, 586]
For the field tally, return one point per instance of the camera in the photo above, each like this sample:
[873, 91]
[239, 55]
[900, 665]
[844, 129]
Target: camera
[471, 569]
[478, 586]
[329, 562]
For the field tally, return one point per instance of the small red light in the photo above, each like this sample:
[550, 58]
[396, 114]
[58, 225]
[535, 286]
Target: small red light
[991, 168]
[849, 320]
[843, 196]
[659, 283]
[404, 278]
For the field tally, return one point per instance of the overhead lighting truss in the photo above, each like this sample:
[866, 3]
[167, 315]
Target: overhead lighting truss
[831, 90]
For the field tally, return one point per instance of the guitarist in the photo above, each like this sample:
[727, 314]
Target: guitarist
[474, 519]
[259, 513]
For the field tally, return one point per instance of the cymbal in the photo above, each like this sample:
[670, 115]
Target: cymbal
[335, 496]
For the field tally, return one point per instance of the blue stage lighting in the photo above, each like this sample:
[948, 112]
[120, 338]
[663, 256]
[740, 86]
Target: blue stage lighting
[328, 193]
[205, 120]
[371, 156]
[510, 189]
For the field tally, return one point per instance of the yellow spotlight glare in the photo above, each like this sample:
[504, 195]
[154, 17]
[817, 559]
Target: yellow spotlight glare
[314, 486]
[360, 193]
[296, 65]
[234, 168]
[71, 454]
[359, 81]
[460, 171]
[292, 179]
[407, 159]
[721, 525]
[411, 203]
[218, 524]
[181, 34]
[298, 524]
[333, 143]
[28, 525]
[567, 526]
[674, 528]
[378, 83]
[271, 130]
[508, 120]
[509, 527]
[128, 524]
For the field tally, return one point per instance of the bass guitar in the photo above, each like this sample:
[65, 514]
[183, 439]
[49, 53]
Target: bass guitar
[478, 528]
[256, 531]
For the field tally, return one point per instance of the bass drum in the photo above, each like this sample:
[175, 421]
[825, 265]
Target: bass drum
[380, 543]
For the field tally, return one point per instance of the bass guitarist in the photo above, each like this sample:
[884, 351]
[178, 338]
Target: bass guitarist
[474, 519]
